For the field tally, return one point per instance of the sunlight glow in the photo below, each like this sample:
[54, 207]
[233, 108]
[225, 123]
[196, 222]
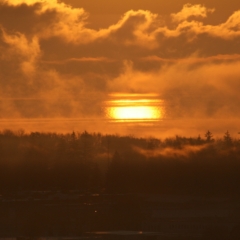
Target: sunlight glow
[134, 112]
[134, 107]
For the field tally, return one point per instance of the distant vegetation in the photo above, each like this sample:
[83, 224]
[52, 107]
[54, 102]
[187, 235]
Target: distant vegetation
[96, 163]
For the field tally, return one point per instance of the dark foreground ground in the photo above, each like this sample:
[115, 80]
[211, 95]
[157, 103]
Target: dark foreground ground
[71, 215]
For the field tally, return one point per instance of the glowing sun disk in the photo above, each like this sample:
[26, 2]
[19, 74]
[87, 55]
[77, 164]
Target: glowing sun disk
[134, 112]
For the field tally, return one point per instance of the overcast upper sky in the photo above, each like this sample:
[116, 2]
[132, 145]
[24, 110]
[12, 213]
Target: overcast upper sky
[62, 59]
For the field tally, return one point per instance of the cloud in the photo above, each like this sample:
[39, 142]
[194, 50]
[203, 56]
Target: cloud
[189, 89]
[83, 59]
[194, 59]
[230, 29]
[136, 28]
[190, 10]
[28, 51]
[49, 19]
[48, 53]
[139, 28]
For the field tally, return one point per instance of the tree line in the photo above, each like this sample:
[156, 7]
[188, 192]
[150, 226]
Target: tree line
[98, 163]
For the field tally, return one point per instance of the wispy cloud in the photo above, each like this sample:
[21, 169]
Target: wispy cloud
[83, 59]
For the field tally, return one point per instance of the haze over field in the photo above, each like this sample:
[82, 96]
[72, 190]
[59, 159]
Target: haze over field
[61, 63]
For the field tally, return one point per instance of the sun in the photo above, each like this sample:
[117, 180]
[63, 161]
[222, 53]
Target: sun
[134, 112]
[134, 107]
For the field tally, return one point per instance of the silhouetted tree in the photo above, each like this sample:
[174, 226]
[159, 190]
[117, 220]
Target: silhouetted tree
[227, 139]
[209, 136]
[179, 164]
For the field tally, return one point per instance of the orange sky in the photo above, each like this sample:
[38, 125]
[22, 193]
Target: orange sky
[61, 60]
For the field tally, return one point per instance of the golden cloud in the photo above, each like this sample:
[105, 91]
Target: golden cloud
[136, 28]
[190, 10]
[50, 53]
[27, 50]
